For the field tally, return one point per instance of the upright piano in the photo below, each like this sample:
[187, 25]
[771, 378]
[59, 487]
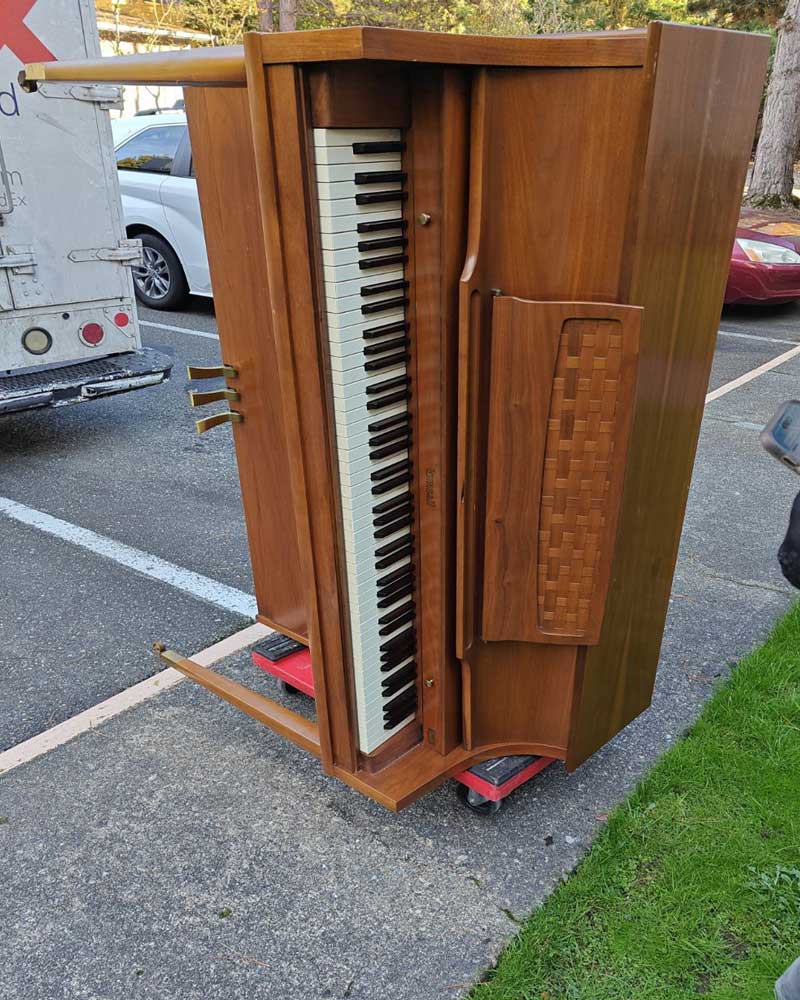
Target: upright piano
[467, 291]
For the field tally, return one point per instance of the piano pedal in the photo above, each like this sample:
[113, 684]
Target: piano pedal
[288, 660]
[486, 785]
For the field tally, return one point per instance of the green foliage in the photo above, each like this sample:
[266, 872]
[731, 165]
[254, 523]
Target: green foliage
[694, 885]
[600, 15]
[226, 20]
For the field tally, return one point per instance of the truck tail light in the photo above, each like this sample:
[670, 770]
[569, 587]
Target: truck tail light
[92, 334]
[122, 319]
[37, 340]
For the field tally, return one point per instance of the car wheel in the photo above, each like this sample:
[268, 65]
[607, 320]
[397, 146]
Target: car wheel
[159, 280]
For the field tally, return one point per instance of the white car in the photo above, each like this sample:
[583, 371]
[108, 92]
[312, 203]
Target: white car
[161, 208]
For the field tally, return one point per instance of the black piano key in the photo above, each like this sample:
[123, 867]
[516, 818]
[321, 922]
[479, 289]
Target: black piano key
[386, 345]
[399, 702]
[390, 449]
[372, 262]
[408, 616]
[376, 388]
[397, 614]
[390, 578]
[391, 515]
[396, 656]
[390, 400]
[385, 305]
[390, 547]
[390, 560]
[404, 522]
[403, 583]
[399, 680]
[380, 197]
[383, 146]
[403, 709]
[390, 722]
[380, 177]
[402, 575]
[379, 225]
[410, 635]
[380, 364]
[377, 440]
[390, 470]
[382, 243]
[387, 422]
[387, 486]
[399, 501]
[386, 602]
[384, 286]
[401, 656]
[380, 331]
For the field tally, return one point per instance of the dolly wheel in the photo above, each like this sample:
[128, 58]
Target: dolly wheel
[288, 689]
[479, 803]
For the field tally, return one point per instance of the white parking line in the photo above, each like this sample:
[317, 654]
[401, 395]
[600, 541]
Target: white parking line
[754, 336]
[179, 329]
[749, 376]
[56, 736]
[189, 582]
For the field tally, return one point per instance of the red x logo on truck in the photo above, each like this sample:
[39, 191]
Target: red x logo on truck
[15, 34]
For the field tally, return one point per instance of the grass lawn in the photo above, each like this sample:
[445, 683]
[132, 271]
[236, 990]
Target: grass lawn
[693, 887]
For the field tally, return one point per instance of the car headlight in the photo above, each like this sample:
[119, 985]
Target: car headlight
[769, 253]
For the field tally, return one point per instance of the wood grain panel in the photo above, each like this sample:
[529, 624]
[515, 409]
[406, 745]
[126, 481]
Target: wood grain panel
[604, 48]
[218, 122]
[359, 95]
[703, 100]
[562, 379]
[277, 117]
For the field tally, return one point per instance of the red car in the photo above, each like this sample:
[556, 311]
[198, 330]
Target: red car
[765, 263]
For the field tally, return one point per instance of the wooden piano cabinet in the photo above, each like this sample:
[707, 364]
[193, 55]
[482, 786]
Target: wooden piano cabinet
[571, 205]
[224, 164]
[560, 402]
[702, 100]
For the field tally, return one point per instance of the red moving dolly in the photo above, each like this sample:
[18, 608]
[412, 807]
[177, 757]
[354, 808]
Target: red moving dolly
[484, 786]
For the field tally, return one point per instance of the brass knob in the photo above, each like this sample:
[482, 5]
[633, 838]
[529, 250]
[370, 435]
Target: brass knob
[424, 219]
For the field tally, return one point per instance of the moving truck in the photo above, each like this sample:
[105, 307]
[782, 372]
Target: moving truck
[68, 326]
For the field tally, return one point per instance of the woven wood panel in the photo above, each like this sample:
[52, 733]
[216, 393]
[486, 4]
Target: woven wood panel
[579, 453]
[560, 401]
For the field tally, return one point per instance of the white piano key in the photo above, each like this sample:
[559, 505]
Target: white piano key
[327, 191]
[346, 208]
[333, 172]
[327, 137]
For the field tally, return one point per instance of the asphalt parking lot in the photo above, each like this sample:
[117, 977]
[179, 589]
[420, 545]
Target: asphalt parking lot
[183, 851]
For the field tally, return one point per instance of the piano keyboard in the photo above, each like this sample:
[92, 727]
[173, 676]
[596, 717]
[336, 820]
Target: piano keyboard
[360, 184]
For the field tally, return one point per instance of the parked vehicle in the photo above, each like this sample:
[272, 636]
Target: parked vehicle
[68, 325]
[161, 208]
[765, 263]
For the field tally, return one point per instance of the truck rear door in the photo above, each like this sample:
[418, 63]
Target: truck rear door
[61, 240]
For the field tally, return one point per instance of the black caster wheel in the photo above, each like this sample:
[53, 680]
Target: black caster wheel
[478, 803]
[287, 688]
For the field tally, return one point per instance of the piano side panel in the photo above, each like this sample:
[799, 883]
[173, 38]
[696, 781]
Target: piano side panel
[219, 123]
[438, 149]
[557, 175]
[705, 100]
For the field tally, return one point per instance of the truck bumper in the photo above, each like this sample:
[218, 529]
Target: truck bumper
[83, 380]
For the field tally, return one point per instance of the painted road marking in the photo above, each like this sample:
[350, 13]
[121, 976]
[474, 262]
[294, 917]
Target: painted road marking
[92, 717]
[179, 329]
[189, 582]
[749, 376]
[754, 336]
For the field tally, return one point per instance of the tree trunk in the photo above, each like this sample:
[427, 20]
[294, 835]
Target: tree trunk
[287, 15]
[265, 22]
[773, 171]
